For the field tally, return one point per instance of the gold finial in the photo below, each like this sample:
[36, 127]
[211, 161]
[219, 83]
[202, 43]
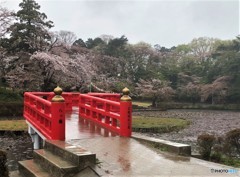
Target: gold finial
[126, 96]
[58, 92]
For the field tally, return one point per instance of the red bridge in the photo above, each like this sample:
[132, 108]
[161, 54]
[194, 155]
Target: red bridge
[45, 113]
[73, 127]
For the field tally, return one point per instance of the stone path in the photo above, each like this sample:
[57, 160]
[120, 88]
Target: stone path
[127, 157]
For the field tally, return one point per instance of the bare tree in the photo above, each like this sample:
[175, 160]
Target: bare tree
[54, 41]
[66, 38]
[6, 20]
[62, 39]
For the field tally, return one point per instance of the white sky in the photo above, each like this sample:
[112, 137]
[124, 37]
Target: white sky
[167, 23]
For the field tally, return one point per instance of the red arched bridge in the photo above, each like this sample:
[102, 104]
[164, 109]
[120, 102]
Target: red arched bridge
[45, 113]
[80, 120]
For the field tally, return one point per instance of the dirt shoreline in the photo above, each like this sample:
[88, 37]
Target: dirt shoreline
[18, 147]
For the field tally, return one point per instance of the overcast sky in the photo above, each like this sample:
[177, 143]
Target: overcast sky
[167, 23]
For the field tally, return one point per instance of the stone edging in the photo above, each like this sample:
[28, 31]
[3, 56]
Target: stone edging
[177, 148]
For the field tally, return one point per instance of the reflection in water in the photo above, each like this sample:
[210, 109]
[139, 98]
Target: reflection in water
[81, 129]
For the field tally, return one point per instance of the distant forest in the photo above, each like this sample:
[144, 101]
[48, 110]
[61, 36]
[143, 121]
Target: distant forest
[205, 70]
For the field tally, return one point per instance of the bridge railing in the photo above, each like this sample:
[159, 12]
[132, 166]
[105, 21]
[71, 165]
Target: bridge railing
[45, 111]
[46, 116]
[71, 98]
[108, 96]
[116, 116]
[75, 98]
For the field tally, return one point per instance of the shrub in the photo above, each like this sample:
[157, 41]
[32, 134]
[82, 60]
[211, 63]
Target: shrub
[232, 142]
[205, 143]
[3, 166]
[216, 157]
[10, 95]
[11, 109]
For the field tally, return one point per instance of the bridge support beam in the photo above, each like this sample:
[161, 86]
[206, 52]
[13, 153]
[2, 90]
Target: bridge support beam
[36, 139]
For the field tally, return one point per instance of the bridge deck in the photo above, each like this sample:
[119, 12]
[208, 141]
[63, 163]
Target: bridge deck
[83, 130]
[120, 156]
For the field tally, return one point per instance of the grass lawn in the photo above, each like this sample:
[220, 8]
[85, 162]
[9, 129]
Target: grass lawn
[142, 104]
[13, 125]
[158, 125]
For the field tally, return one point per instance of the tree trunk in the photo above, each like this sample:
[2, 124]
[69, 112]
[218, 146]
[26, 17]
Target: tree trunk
[154, 102]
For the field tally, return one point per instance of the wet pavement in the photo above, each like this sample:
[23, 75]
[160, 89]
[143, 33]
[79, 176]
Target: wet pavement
[127, 157]
[119, 156]
[83, 129]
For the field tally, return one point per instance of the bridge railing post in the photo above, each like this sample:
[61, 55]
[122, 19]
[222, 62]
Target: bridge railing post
[58, 115]
[50, 96]
[125, 114]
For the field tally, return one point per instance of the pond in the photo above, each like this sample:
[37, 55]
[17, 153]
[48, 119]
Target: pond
[202, 121]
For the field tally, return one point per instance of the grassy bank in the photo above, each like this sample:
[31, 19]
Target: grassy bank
[142, 104]
[13, 125]
[158, 125]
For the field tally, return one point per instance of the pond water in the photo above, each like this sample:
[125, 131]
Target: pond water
[202, 121]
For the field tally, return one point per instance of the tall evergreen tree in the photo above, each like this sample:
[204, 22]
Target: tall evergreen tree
[30, 33]
[80, 43]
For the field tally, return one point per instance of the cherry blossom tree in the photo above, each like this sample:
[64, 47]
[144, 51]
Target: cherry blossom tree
[217, 91]
[157, 90]
[189, 87]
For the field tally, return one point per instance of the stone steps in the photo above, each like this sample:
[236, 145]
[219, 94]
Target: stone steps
[29, 168]
[77, 155]
[55, 165]
[57, 159]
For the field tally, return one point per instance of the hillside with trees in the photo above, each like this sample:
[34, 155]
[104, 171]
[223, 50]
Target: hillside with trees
[33, 58]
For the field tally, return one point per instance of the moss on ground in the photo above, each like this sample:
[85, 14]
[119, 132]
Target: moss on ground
[158, 125]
